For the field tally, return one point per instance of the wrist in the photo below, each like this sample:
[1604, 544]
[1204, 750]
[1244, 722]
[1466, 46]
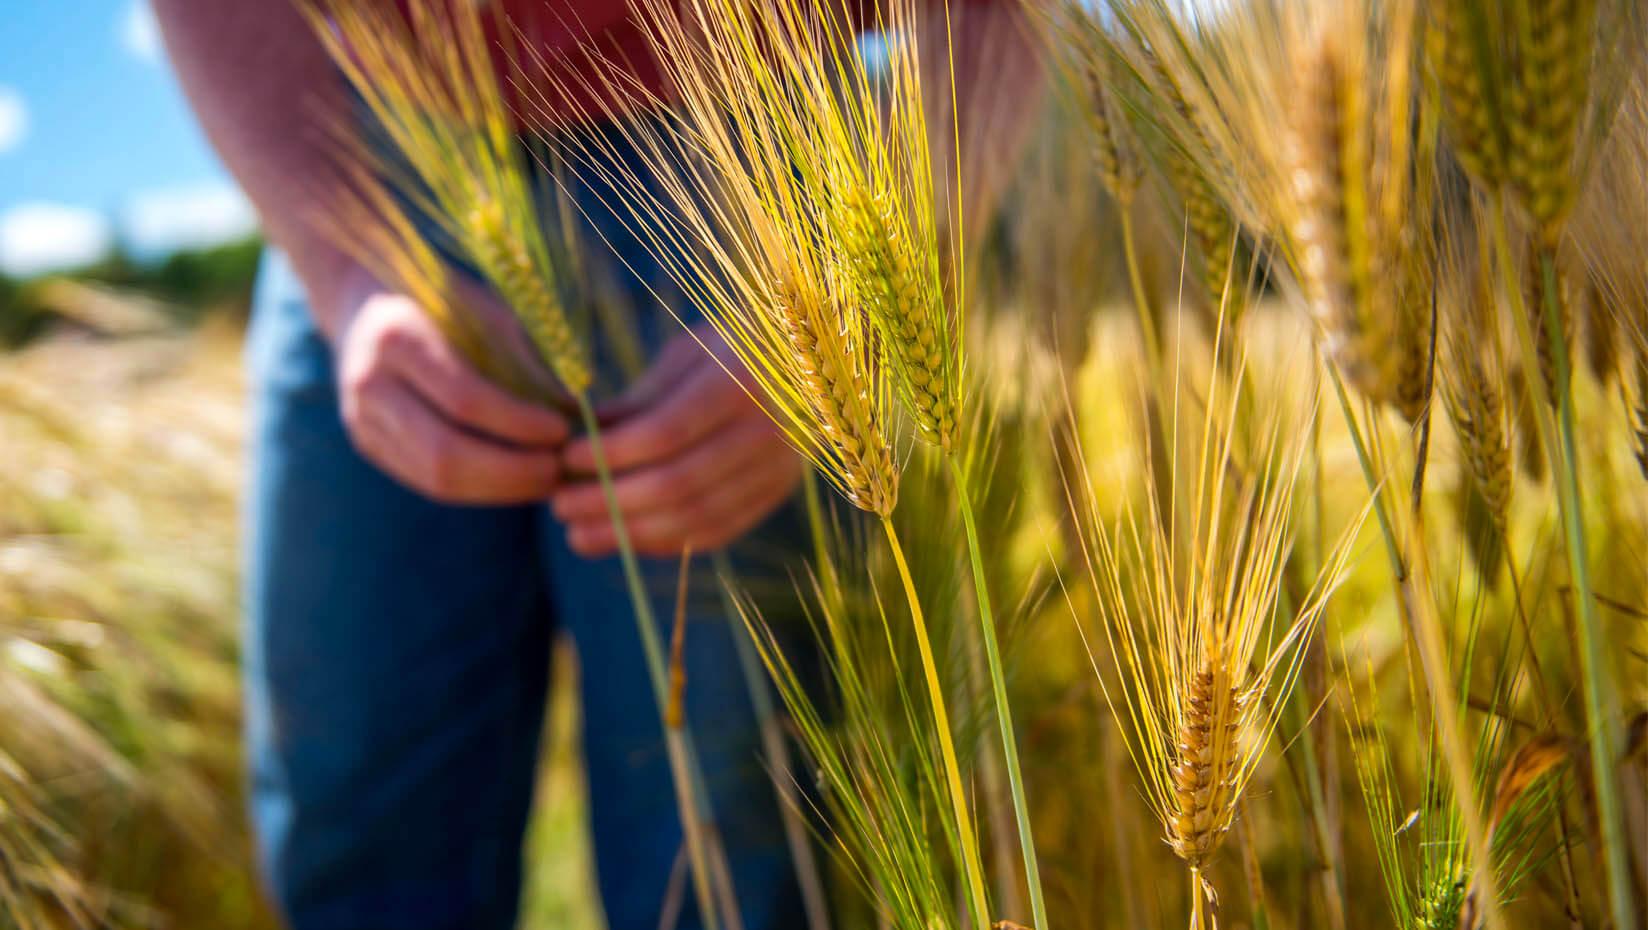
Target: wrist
[338, 288]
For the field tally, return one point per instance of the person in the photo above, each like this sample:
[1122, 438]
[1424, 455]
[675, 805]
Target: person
[414, 535]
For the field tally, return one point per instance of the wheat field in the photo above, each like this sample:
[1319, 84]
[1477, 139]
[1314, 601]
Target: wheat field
[1234, 514]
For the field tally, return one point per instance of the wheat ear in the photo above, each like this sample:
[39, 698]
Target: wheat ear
[845, 418]
[1116, 168]
[1477, 408]
[522, 284]
[1469, 99]
[886, 279]
[1332, 249]
[1548, 96]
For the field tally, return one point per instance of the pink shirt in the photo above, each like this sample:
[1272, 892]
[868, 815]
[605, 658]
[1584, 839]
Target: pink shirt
[612, 29]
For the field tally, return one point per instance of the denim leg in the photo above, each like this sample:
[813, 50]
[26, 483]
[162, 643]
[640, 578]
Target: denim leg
[396, 663]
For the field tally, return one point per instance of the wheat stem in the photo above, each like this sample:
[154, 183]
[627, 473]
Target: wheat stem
[973, 872]
[1135, 280]
[1413, 592]
[1600, 734]
[998, 685]
[675, 744]
[777, 751]
[683, 760]
[1601, 738]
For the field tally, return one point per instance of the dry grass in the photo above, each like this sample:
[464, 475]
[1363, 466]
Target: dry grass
[120, 776]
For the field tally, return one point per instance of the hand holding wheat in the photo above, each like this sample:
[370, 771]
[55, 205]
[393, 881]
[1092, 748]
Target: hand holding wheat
[697, 462]
[414, 406]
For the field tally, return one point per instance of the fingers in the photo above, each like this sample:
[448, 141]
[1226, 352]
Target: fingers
[397, 429]
[725, 455]
[707, 521]
[418, 353]
[679, 357]
[699, 404]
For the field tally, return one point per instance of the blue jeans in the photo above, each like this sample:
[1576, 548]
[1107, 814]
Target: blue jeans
[397, 661]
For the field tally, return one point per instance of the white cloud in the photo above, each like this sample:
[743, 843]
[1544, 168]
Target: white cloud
[162, 221]
[40, 237]
[14, 119]
[139, 33]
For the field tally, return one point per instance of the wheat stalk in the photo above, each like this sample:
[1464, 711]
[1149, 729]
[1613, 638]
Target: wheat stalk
[429, 81]
[1189, 615]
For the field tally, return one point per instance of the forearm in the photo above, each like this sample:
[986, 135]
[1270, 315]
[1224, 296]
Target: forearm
[261, 84]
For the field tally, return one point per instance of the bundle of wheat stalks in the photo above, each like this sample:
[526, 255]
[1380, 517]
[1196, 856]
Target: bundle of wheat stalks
[1355, 644]
[1205, 611]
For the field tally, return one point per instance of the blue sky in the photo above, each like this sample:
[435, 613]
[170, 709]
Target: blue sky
[96, 141]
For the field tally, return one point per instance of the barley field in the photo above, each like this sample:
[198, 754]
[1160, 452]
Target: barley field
[120, 768]
[1229, 478]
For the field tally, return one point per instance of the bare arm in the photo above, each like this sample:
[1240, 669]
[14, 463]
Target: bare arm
[261, 83]
[258, 79]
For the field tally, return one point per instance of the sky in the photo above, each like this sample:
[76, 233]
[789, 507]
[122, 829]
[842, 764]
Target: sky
[97, 144]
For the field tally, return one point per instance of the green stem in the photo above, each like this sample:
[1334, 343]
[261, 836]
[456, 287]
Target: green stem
[998, 685]
[1135, 279]
[1593, 668]
[691, 828]
[974, 873]
[778, 754]
[823, 559]
[683, 761]
[1413, 594]
[1600, 736]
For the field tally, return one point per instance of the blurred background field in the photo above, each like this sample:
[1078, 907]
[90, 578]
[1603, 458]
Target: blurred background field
[121, 421]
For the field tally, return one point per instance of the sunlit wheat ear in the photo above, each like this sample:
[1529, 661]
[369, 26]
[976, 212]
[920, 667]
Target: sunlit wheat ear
[1189, 612]
[845, 418]
[1213, 232]
[429, 82]
[728, 186]
[362, 216]
[1208, 217]
[910, 311]
[1549, 91]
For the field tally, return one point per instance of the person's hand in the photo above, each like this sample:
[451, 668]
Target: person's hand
[694, 458]
[415, 408]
